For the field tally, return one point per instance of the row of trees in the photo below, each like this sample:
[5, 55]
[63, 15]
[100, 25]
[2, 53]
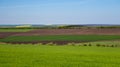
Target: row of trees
[61, 27]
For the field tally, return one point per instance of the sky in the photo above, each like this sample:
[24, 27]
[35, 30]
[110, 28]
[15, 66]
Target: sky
[59, 11]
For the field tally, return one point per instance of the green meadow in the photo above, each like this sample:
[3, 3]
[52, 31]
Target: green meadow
[58, 56]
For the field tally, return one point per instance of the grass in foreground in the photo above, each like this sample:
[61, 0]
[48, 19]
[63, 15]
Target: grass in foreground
[58, 56]
[60, 38]
[15, 30]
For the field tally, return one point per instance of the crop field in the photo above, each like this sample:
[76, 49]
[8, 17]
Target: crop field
[52, 38]
[58, 56]
[14, 30]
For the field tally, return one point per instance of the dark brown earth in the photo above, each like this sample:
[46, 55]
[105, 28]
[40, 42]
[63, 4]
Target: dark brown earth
[115, 31]
[71, 32]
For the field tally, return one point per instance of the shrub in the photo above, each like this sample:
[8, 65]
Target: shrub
[116, 45]
[112, 46]
[84, 44]
[98, 45]
[89, 44]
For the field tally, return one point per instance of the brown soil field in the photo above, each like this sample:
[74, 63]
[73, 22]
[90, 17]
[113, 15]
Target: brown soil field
[71, 32]
[115, 31]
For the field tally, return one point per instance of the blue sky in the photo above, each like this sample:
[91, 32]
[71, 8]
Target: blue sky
[59, 11]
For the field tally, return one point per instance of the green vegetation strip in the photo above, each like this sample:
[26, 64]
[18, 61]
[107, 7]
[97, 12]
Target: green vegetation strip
[58, 56]
[14, 30]
[60, 38]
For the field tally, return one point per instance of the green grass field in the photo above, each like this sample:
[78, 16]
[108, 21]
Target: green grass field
[15, 30]
[61, 38]
[58, 56]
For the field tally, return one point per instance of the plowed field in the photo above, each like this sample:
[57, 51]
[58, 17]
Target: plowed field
[71, 32]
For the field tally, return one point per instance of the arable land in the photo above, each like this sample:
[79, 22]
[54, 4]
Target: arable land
[71, 32]
[58, 39]
[58, 36]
